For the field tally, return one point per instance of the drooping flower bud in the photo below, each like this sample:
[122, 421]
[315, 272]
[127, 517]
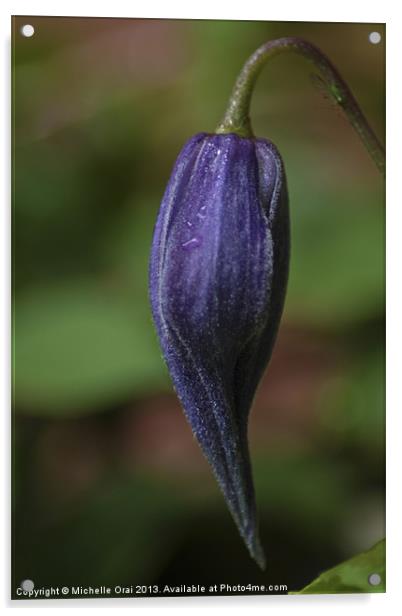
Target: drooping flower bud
[218, 275]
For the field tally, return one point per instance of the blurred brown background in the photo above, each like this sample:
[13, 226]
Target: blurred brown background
[109, 486]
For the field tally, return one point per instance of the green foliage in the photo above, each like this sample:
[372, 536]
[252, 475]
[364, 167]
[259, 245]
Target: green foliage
[338, 256]
[353, 575]
[353, 405]
[80, 347]
[314, 487]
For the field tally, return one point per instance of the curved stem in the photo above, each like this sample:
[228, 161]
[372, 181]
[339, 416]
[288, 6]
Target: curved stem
[237, 120]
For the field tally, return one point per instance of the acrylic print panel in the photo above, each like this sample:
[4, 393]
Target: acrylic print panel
[187, 421]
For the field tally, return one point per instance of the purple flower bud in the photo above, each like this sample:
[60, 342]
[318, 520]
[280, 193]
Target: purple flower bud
[218, 275]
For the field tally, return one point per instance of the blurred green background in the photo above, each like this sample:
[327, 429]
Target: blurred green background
[109, 486]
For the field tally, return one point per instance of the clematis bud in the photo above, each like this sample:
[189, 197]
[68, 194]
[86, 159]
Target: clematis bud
[218, 275]
[219, 268]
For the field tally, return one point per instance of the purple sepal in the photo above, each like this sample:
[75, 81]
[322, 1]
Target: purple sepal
[218, 276]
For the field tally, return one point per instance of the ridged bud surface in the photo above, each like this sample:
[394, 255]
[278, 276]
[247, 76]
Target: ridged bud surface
[218, 275]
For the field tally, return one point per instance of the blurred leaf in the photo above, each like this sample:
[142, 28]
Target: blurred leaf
[352, 407]
[338, 257]
[352, 575]
[309, 488]
[79, 348]
[127, 245]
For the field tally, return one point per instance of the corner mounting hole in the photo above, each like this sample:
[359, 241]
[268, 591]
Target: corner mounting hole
[375, 38]
[27, 585]
[374, 579]
[27, 30]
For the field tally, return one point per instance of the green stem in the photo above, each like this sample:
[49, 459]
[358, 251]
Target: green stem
[237, 120]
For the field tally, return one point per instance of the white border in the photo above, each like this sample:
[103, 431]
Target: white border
[307, 10]
[293, 10]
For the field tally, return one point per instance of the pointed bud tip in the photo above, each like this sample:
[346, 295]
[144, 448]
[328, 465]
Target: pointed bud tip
[257, 553]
